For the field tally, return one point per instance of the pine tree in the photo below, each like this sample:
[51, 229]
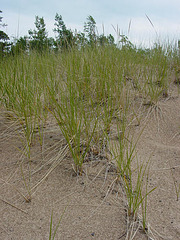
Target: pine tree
[39, 36]
[90, 30]
[64, 36]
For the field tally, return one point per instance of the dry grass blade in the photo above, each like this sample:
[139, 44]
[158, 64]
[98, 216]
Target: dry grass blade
[129, 27]
[26, 199]
[12, 205]
[151, 23]
[57, 160]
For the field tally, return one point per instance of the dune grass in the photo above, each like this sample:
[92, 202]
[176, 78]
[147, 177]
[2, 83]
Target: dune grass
[88, 91]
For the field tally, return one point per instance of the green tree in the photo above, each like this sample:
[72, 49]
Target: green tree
[90, 30]
[39, 36]
[20, 45]
[80, 40]
[104, 41]
[3, 38]
[64, 37]
[124, 42]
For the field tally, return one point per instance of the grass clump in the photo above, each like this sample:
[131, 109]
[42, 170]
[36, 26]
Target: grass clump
[133, 175]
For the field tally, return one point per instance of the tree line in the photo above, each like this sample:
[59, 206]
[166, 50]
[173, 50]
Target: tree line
[38, 39]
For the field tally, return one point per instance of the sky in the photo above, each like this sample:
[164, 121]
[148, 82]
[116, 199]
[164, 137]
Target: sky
[109, 15]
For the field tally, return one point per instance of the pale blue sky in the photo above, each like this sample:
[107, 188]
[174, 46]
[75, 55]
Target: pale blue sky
[165, 15]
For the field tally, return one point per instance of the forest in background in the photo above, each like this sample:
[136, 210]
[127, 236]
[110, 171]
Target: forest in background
[65, 38]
